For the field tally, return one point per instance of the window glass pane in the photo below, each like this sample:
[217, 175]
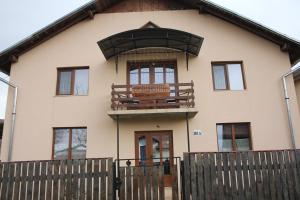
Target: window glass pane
[65, 82]
[61, 143]
[235, 77]
[242, 137]
[134, 76]
[145, 75]
[78, 143]
[170, 75]
[219, 77]
[81, 84]
[159, 75]
[166, 153]
[224, 137]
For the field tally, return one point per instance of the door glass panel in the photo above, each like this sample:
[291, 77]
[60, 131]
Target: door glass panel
[156, 150]
[61, 145]
[166, 153]
[235, 77]
[78, 143]
[134, 76]
[145, 75]
[65, 82]
[159, 75]
[142, 150]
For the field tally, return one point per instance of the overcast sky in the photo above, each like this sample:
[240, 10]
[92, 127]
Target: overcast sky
[19, 19]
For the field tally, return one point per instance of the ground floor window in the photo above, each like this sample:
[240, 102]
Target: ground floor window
[234, 137]
[69, 143]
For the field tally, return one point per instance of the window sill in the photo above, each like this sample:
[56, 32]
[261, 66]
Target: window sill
[61, 95]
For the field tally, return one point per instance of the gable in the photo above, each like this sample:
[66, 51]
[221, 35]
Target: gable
[146, 5]
[10, 55]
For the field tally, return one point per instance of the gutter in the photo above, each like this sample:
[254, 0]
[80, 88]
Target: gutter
[288, 107]
[13, 119]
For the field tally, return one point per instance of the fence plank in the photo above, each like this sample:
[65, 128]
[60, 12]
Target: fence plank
[103, 180]
[161, 183]
[122, 187]
[75, 179]
[89, 182]
[283, 175]
[277, 175]
[128, 183]
[155, 185]
[96, 180]
[17, 180]
[23, 179]
[36, 182]
[270, 175]
[82, 180]
[174, 174]
[289, 175]
[135, 186]
[11, 180]
[148, 183]
[141, 183]
[30, 180]
[213, 175]
[265, 175]
[207, 177]
[259, 184]
[232, 170]
[56, 165]
[295, 174]
[241, 192]
[187, 179]
[62, 180]
[110, 179]
[69, 180]
[193, 177]
[226, 176]
[4, 187]
[220, 194]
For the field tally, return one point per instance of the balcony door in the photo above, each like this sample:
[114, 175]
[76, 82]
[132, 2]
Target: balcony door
[155, 148]
[151, 72]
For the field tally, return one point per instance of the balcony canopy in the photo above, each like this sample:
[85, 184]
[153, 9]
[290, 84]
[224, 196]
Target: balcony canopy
[148, 38]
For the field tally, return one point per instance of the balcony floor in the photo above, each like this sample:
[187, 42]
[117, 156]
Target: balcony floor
[149, 113]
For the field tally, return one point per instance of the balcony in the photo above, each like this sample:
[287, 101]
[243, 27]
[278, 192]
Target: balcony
[149, 100]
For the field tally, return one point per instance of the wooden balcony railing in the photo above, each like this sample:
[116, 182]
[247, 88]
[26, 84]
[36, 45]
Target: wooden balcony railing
[152, 96]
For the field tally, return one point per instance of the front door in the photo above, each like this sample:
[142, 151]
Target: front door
[154, 148]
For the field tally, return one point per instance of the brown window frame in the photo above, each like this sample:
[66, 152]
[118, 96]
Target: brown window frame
[70, 140]
[151, 69]
[234, 148]
[225, 64]
[72, 70]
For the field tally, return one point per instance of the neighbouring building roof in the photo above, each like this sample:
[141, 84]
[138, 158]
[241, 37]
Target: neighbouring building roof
[10, 55]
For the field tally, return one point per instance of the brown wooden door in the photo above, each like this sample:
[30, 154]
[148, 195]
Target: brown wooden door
[154, 148]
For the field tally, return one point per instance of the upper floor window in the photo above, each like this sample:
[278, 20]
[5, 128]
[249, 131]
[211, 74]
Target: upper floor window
[228, 76]
[72, 81]
[69, 143]
[234, 137]
[152, 72]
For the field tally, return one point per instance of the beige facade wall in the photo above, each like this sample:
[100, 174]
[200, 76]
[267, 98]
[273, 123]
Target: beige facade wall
[39, 110]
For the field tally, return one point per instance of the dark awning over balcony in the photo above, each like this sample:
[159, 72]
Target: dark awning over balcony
[150, 37]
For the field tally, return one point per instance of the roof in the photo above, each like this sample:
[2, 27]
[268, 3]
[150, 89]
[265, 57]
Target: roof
[10, 55]
[150, 37]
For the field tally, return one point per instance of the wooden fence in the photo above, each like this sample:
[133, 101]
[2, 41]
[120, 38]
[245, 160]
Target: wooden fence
[65, 179]
[242, 175]
[147, 183]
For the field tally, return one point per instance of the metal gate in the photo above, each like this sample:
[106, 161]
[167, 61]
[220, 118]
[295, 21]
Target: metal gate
[136, 181]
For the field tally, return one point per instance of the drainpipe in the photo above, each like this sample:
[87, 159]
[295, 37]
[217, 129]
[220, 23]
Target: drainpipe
[13, 119]
[288, 107]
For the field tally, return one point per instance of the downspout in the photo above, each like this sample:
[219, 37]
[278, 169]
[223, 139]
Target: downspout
[13, 119]
[288, 107]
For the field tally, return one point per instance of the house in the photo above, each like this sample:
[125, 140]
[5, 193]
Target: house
[148, 80]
